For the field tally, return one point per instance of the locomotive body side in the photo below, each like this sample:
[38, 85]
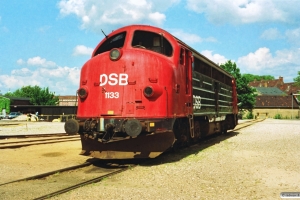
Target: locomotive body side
[144, 91]
[215, 99]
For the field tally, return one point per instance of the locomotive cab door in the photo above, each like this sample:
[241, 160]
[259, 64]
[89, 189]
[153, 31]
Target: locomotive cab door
[186, 59]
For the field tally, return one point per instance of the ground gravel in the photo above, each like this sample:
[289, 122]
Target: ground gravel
[10, 127]
[257, 162]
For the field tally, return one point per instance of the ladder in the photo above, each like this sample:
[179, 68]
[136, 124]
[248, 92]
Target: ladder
[191, 122]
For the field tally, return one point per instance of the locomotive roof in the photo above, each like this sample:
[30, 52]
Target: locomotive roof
[203, 58]
[195, 53]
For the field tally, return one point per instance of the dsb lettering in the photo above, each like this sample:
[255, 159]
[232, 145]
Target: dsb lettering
[113, 79]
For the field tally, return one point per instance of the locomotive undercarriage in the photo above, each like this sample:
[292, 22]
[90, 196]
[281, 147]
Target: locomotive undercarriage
[132, 138]
[124, 138]
[186, 132]
[105, 130]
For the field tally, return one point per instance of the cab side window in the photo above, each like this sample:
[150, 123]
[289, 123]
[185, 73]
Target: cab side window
[116, 41]
[152, 41]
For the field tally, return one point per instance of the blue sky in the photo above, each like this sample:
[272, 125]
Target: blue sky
[45, 43]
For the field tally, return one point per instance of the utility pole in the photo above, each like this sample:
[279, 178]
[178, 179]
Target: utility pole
[293, 102]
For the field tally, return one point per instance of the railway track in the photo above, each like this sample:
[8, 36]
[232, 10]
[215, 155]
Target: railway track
[247, 123]
[47, 185]
[95, 180]
[16, 142]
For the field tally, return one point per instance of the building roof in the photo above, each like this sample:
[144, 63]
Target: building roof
[288, 88]
[267, 83]
[276, 102]
[270, 91]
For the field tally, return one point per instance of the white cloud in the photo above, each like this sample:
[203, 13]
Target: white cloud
[21, 72]
[217, 58]
[11, 82]
[245, 11]
[262, 58]
[20, 62]
[73, 75]
[271, 34]
[293, 36]
[61, 80]
[38, 61]
[189, 38]
[82, 50]
[157, 18]
[263, 62]
[94, 14]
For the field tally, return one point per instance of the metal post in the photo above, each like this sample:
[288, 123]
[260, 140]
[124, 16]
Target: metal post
[293, 102]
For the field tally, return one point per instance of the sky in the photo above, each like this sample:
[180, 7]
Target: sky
[46, 43]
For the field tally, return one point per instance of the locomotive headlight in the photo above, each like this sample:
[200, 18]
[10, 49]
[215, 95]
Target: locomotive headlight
[115, 54]
[152, 91]
[148, 91]
[82, 92]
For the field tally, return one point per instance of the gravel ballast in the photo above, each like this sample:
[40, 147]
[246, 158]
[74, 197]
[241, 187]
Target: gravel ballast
[257, 162]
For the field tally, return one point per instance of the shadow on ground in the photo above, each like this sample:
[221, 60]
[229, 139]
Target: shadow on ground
[172, 156]
[167, 157]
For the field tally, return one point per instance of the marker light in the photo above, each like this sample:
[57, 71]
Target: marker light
[152, 91]
[148, 91]
[82, 92]
[115, 54]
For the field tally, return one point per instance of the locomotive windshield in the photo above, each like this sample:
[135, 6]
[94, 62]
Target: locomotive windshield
[152, 41]
[116, 41]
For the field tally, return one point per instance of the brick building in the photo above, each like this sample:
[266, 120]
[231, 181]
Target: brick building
[67, 101]
[276, 98]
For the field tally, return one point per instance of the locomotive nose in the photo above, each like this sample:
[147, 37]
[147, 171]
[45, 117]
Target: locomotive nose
[133, 127]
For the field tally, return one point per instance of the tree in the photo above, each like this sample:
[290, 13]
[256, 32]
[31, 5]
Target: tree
[4, 104]
[297, 79]
[251, 77]
[297, 83]
[245, 94]
[37, 95]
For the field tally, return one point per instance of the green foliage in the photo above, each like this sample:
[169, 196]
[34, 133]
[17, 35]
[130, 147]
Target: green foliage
[251, 77]
[249, 115]
[297, 79]
[245, 94]
[298, 96]
[278, 116]
[37, 95]
[4, 103]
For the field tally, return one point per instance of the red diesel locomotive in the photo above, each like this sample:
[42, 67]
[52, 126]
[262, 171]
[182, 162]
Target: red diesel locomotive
[144, 91]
